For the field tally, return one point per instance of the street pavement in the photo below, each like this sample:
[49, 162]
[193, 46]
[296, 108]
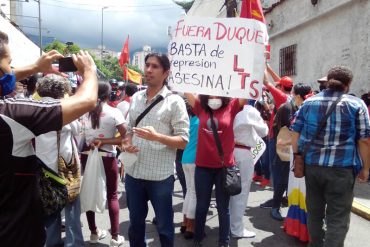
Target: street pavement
[361, 202]
[269, 232]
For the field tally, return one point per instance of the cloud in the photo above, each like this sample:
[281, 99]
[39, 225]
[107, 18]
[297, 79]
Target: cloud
[79, 21]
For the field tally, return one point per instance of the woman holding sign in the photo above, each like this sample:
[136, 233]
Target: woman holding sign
[208, 171]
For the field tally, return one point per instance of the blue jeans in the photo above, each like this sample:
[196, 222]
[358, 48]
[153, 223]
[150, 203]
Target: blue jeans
[205, 178]
[159, 193]
[74, 236]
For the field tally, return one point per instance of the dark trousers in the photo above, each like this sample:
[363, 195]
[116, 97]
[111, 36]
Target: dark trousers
[205, 178]
[281, 175]
[262, 167]
[329, 194]
[271, 149]
[181, 176]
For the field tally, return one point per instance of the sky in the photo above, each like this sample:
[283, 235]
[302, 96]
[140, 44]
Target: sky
[80, 21]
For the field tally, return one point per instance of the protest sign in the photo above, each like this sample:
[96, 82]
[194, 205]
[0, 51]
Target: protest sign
[218, 56]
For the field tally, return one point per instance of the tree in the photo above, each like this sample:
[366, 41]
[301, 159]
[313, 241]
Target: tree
[185, 5]
[63, 48]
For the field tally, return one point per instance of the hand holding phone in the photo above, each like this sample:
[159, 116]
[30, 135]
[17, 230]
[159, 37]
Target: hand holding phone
[66, 64]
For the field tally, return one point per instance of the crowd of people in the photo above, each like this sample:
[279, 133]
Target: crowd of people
[153, 126]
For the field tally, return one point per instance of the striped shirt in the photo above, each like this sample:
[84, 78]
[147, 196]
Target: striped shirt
[169, 117]
[336, 145]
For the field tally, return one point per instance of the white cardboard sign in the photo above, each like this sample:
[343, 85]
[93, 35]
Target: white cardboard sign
[218, 56]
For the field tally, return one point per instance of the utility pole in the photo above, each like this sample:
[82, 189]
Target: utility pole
[40, 34]
[102, 33]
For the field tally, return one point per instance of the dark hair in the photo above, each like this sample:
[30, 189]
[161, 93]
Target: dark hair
[339, 77]
[54, 86]
[163, 61]
[302, 90]
[4, 40]
[130, 89]
[366, 99]
[104, 90]
[204, 102]
[287, 89]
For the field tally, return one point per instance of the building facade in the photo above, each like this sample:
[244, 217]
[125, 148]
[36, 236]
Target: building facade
[307, 39]
[139, 57]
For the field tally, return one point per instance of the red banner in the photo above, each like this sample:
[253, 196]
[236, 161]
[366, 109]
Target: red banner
[252, 9]
[125, 54]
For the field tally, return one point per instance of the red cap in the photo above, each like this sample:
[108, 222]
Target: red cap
[285, 81]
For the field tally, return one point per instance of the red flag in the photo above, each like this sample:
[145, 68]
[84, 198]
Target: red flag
[125, 54]
[252, 9]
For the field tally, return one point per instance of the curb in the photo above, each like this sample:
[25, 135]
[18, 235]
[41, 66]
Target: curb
[361, 210]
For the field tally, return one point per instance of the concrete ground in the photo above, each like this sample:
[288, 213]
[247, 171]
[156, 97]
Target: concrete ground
[269, 232]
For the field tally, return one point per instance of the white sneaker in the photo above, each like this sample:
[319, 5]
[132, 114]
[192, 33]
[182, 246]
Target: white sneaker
[246, 234]
[118, 242]
[100, 234]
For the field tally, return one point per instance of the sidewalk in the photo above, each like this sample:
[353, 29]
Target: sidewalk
[361, 202]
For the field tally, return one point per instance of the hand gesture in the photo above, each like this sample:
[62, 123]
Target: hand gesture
[128, 147]
[363, 176]
[147, 133]
[44, 63]
[84, 62]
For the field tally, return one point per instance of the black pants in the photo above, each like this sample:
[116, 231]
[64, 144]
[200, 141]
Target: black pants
[281, 174]
[329, 194]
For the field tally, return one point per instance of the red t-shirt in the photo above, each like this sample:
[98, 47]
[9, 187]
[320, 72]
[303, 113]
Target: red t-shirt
[280, 98]
[207, 153]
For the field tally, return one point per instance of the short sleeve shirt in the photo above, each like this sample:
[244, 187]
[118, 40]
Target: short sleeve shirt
[336, 144]
[207, 153]
[109, 118]
[21, 221]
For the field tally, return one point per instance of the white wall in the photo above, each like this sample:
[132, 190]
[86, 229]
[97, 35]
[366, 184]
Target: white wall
[23, 50]
[334, 32]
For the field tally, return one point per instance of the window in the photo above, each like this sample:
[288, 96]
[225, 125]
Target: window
[288, 60]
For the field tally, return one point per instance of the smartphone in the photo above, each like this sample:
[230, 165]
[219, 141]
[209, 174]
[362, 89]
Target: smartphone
[66, 65]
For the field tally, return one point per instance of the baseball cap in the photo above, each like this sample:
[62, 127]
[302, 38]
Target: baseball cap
[323, 79]
[285, 81]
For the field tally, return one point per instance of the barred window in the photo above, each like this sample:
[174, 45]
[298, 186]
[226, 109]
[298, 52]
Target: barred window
[288, 60]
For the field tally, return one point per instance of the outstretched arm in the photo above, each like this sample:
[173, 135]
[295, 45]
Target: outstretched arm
[43, 64]
[363, 146]
[85, 98]
[274, 76]
[191, 99]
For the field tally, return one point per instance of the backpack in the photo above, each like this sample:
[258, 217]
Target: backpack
[70, 172]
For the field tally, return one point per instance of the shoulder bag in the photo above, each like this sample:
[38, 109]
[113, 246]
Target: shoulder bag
[53, 190]
[129, 159]
[231, 181]
[298, 161]
[70, 172]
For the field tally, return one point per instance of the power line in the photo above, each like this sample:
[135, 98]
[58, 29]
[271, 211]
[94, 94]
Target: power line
[129, 6]
[111, 10]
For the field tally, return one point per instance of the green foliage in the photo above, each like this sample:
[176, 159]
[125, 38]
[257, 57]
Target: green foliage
[184, 4]
[62, 48]
[111, 69]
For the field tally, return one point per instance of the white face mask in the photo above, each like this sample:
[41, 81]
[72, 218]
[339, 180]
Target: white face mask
[214, 104]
